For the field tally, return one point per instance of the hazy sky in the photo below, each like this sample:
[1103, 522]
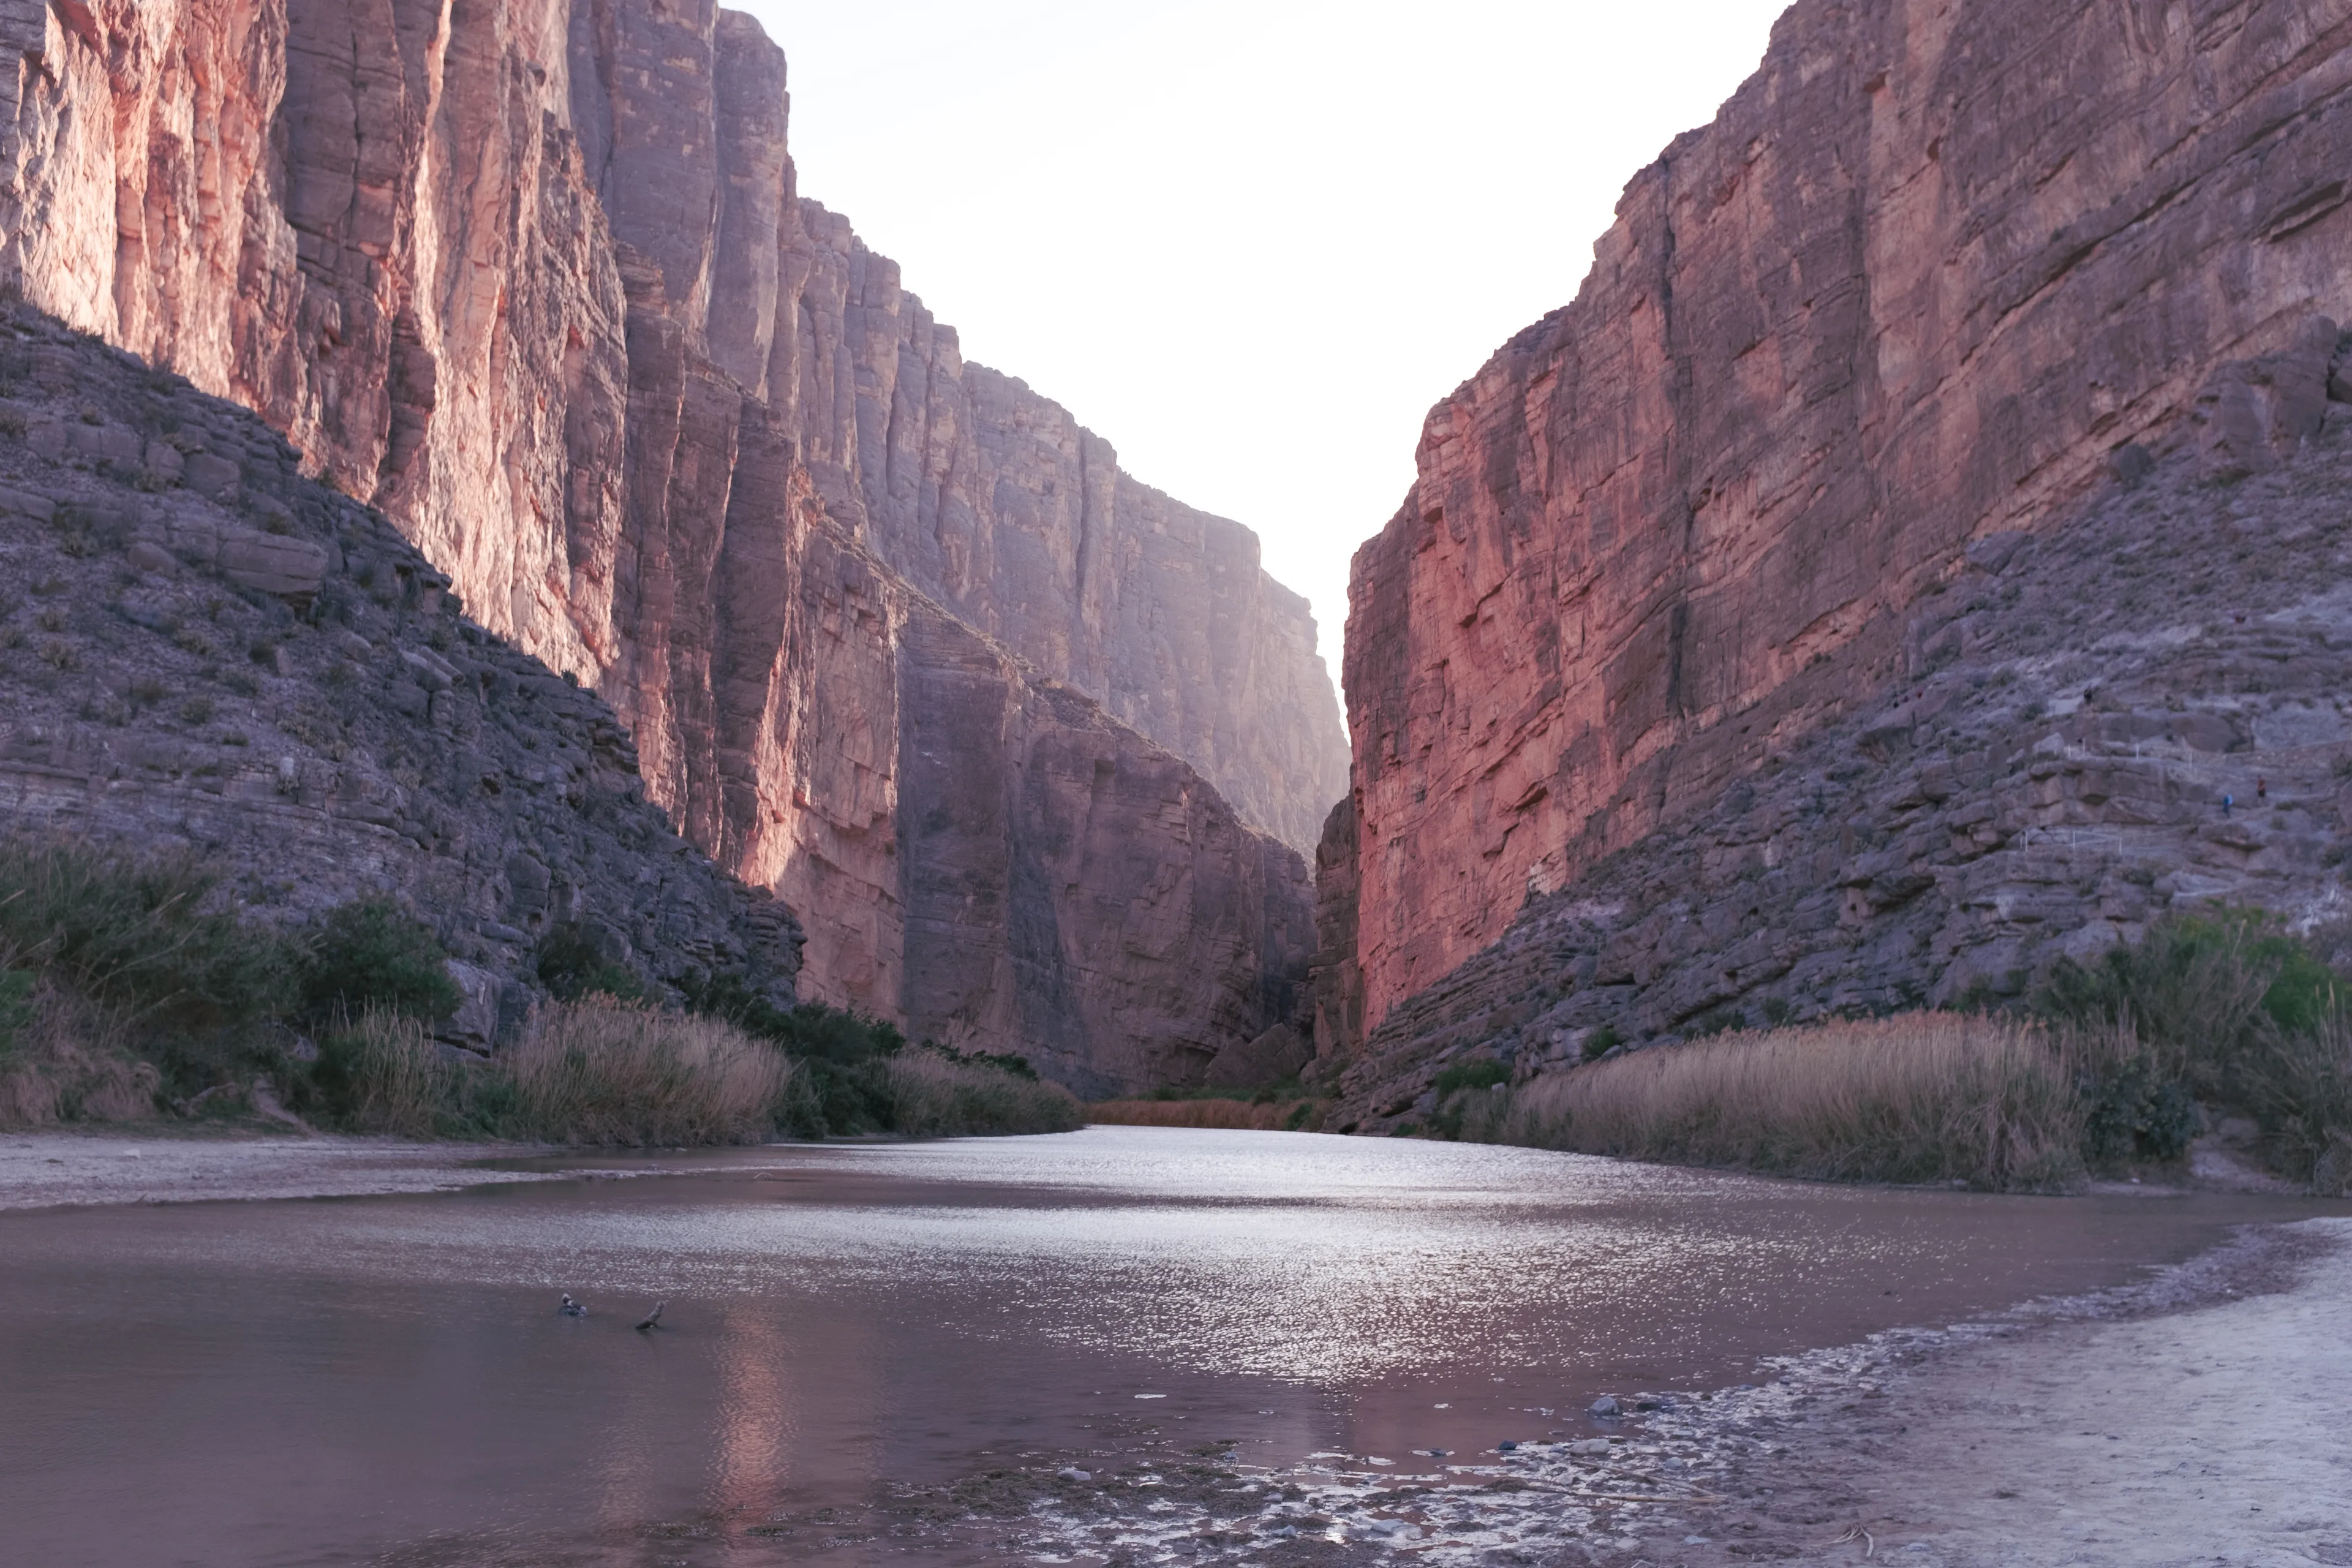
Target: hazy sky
[1249, 242]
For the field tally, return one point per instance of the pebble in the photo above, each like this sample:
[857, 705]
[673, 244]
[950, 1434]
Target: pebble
[1604, 1408]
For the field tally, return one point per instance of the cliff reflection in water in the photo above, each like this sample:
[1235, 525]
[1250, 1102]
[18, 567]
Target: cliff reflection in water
[386, 1380]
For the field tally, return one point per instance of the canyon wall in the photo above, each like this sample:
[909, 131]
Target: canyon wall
[534, 277]
[1931, 274]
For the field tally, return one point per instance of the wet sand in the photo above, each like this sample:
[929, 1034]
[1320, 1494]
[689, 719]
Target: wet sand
[2200, 1419]
[52, 1170]
[2197, 1419]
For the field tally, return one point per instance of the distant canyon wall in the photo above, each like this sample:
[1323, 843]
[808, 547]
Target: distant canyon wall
[1934, 270]
[533, 276]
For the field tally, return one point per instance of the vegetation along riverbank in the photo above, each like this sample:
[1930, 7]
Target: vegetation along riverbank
[2220, 1038]
[129, 992]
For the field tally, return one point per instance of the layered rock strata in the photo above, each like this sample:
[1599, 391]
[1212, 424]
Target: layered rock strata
[1928, 273]
[202, 649]
[2140, 712]
[535, 277]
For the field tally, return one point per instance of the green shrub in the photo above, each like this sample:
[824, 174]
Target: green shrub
[15, 1008]
[366, 955]
[1602, 1041]
[1484, 1073]
[571, 966]
[934, 1095]
[2227, 1007]
[133, 931]
[2133, 1111]
[843, 1087]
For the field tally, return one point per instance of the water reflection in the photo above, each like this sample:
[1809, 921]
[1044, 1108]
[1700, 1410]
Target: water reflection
[387, 1378]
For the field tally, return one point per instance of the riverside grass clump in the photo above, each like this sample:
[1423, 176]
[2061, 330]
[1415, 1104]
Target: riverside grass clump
[935, 1096]
[2227, 1010]
[604, 1071]
[2107, 1066]
[1274, 1115]
[595, 1071]
[125, 986]
[126, 990]
[1929, 1097]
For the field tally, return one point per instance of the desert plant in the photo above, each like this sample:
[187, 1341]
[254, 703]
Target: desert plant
[571, 965]
[933, 1096]
[1924, 1097]
[381, 1071]
[603, 1071]
[2226, 1008]
[133, 931]
[368, 955]
[69, 1060]
[1270, 1116]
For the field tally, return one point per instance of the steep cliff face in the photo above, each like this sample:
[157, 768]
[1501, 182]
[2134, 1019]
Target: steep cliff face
[2139, 712]
[1929, 271]
[534, 276]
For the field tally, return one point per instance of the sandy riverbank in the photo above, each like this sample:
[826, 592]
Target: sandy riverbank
[48, 1170]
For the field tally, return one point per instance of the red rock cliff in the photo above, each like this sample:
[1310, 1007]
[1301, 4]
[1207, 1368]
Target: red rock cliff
[533, 276]
[1925, 275]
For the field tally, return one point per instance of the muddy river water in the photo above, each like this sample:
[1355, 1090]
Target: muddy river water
[387, 1380]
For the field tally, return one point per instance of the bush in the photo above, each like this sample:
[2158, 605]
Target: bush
[2227, 1008]
[571, 965]
[843, 1086]
[1927, 1097]
[1250, 1115]
[602, 1071]
[934, 1096]
[382, 1072]
[131, 932]
[1484, 1073]
[368, 956]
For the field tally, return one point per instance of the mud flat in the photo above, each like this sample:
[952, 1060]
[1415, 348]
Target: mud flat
[51, 1170]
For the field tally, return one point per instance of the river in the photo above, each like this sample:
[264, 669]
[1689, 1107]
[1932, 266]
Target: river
[854, 1332]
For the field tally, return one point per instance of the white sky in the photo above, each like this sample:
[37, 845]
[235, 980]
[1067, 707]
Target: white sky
[1249, 242]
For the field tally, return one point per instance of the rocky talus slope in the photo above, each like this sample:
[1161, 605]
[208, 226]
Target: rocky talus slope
[535, 278]
[2145, 709]
[202, 649]
[1929, 271]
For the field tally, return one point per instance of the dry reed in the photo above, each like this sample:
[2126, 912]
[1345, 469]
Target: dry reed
[68, 1061]
[932, 1097]
[601, 1071]
[1244, 1115]
[1930, 1097]
[391, 1075]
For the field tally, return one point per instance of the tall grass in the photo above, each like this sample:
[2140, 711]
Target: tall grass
[933, 1097]
[603, 1071]
[382, 1072]
[65, 1060]
[1244, 1115]
[2227, 1008]
[1925, 1098]
[134, 932]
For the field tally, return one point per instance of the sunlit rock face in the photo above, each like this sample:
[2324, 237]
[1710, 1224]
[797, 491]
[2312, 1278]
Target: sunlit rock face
[534, 277]
[1930, 271]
